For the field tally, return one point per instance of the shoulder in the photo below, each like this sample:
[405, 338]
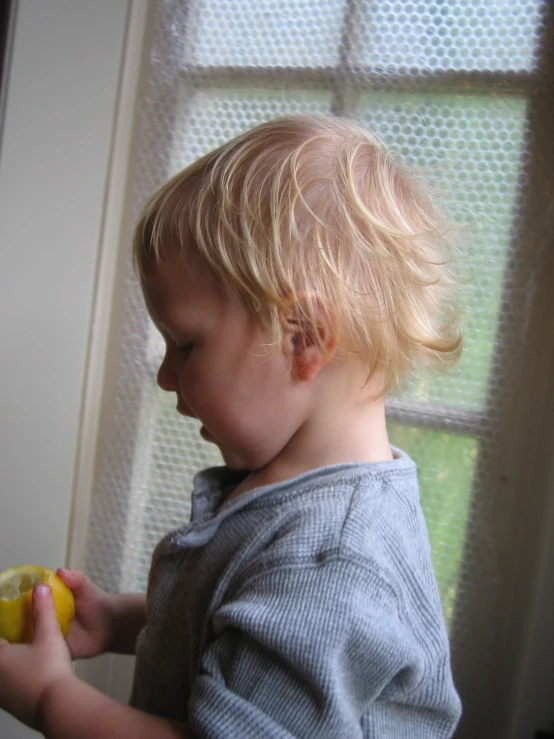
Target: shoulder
[363, 513]
[356, 537]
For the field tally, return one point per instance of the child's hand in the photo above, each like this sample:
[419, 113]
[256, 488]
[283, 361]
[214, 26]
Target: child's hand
[28, 670]
[93, 629]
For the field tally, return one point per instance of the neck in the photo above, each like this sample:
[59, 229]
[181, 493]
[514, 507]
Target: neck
[343, 426]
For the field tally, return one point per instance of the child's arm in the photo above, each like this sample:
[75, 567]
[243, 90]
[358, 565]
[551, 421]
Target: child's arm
[129, 618]
[38, 687]
[70, 708]
[104, 622]
[309, 649]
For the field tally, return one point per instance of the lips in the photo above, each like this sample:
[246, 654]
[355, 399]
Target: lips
[204, 433]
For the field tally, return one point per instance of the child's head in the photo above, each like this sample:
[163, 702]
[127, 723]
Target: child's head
[313, 215]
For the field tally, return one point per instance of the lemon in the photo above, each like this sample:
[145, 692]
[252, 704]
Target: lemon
[16, 592]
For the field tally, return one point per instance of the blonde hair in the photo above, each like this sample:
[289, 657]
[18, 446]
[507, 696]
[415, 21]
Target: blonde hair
[315, 212]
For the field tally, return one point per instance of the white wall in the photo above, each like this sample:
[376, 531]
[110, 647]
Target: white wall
[54, 164]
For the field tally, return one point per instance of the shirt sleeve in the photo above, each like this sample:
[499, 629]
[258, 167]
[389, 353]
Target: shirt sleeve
[320, 650]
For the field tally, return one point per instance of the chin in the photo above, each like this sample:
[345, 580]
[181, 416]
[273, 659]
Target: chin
[236, 461]
[233, 463]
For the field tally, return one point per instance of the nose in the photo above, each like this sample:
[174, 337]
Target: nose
[166, 377]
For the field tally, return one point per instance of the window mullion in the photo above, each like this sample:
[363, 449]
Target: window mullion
[468, 82]
[341, 83]
[450, 420]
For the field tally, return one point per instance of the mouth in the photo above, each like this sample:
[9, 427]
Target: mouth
[205, 434]
[182, 410]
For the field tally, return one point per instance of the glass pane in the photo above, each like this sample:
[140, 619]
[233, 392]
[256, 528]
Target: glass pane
[210, 117]
[265, 33]
[470, 146]
[496, 35]
[445, 464]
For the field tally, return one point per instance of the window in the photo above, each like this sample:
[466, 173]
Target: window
[462, 89]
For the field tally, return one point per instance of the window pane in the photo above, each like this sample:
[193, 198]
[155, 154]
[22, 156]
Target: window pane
[210, 117]
[265, 33]
[471, 147]
[445, 465]
[495, 35]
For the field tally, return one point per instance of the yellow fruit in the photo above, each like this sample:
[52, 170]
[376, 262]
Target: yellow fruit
[16, 592]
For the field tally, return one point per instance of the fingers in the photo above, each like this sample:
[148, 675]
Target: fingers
[44, 613]
[74, 579]
[79, 584]
[85, 592]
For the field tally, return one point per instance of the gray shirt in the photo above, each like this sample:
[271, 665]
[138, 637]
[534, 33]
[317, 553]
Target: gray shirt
[307, 608]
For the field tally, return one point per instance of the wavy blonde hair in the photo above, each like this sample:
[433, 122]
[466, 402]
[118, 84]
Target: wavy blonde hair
[315, 212]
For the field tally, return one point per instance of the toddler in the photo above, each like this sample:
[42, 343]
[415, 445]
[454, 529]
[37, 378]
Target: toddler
[296, 275]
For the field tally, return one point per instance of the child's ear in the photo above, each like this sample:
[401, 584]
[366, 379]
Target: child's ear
[309, 346]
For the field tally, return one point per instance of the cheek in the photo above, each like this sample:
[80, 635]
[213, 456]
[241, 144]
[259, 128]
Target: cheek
[249, 403]
[266, 419]
[208, 398]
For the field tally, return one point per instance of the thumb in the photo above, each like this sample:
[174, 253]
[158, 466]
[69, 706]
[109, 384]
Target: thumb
[44, 613]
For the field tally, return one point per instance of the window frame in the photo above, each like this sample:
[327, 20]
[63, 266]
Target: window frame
[521, 462]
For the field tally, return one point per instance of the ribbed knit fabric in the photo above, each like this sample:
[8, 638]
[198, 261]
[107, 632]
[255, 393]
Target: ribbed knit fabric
[307, 608]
